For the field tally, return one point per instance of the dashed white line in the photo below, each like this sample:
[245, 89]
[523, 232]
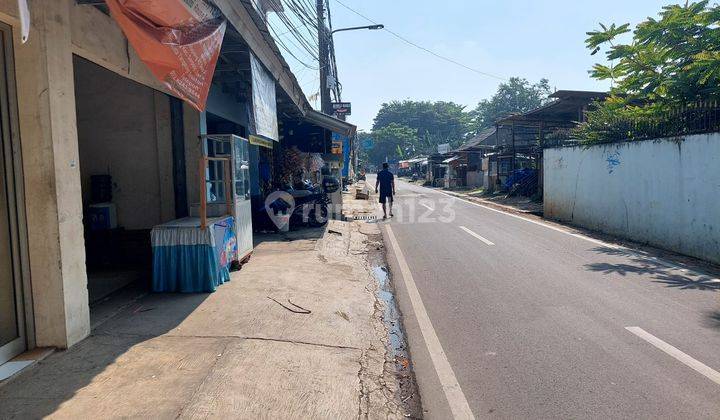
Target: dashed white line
[684, 358]
[577, 235]
[656, 260]
[427, 207]
[487, 242]
[454, 394]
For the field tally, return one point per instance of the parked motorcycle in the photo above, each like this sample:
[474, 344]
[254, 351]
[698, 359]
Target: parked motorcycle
[308, 205]
[311, 206]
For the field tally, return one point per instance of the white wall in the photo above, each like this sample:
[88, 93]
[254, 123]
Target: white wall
[662, 192]
[124, 131]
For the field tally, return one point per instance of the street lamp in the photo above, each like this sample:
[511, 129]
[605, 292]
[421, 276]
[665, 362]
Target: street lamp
[323, 38]
[370, 27]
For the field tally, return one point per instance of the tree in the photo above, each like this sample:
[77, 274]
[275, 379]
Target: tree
[392, 142]
[673, 60]
[434, 122]
[670, 61]
[516, 96]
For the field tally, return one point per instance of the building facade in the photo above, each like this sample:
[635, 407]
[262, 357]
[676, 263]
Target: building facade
[78, 106]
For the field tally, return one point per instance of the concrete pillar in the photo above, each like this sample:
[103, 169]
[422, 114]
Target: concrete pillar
[48, 131]
[163, 136]
[194, 126]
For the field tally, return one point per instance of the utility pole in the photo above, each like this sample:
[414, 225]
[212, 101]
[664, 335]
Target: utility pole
[323, 54]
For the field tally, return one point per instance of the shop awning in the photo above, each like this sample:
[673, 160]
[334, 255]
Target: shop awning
[452, 159]
[330, 123]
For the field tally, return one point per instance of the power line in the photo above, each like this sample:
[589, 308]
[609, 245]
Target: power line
[305, 45]
[407, 41]
[337, 88]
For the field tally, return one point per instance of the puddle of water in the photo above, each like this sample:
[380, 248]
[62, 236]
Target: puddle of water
[408, 395]
[397, 342]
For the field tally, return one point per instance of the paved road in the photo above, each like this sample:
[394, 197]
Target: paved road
[537, 323]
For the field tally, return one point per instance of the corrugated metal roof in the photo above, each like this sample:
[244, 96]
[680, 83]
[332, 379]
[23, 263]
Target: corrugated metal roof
[331, 123]
[477, 140]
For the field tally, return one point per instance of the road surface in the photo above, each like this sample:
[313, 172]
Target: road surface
[508, 318]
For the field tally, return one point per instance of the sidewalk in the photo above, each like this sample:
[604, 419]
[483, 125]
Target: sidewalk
[236, 353]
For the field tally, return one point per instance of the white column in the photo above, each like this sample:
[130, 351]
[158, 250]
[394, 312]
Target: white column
[48, 132]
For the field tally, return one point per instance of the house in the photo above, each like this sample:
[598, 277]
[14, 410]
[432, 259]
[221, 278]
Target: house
[515, 143]
[85, 120]
[465, 165]
[520, 138]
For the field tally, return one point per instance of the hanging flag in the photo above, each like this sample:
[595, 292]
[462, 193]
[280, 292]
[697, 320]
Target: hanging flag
[179, 41]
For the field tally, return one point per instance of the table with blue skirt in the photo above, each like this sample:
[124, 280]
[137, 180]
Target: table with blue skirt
[189, 259]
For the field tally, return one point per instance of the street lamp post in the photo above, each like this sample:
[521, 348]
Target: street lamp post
[370, 27]
[352, 28]
[324, 39]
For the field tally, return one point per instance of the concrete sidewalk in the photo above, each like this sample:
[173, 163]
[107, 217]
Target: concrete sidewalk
[236, 353]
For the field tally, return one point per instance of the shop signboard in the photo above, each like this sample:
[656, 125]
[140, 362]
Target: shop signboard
[342, 108]
[341, 146]
[337, 146]
[261, 141]
[179, 41]
[443, 148]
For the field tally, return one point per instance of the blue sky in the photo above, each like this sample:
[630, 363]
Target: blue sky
[530, 39]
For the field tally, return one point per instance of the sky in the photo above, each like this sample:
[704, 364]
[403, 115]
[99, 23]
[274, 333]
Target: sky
[530, 39]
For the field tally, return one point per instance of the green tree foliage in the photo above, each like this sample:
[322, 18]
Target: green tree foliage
[403, 129]
[392, 142]
[516, 96]
[669, 61]
[434, 122]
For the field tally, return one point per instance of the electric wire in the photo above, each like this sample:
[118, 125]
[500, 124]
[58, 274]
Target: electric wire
[427, 50]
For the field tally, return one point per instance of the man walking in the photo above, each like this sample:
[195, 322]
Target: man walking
[386, 182]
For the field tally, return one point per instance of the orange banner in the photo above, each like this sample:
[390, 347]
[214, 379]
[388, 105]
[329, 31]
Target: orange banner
[179, 40]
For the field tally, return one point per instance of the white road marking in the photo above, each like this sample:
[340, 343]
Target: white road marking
[656, 260]
[689, 361]
[454, 394]
[555, 228]
[476, 235]
[427, 207]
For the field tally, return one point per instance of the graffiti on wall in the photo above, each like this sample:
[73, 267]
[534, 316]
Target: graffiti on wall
[613, 161]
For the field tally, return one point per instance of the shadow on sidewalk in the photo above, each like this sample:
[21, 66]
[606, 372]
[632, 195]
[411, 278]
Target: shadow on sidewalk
[59, 378]
[304, 233]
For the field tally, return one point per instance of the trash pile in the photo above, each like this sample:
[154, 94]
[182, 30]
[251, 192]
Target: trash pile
[522, 182]
[362, 192]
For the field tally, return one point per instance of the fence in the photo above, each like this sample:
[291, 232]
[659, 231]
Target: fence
[695, 118]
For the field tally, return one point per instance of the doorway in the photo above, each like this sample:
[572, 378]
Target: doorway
[13, 334]
[125, 145]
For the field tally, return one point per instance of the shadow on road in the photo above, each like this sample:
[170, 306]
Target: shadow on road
[712, 319]
[642, 263]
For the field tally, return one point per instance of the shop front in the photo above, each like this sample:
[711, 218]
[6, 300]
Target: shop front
[97, 150]
[15, 325]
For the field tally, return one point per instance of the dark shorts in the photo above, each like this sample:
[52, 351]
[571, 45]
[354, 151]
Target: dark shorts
[384, 197]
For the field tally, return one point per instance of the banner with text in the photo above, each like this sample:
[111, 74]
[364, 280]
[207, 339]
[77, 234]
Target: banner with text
[179, 41]
[264, 100]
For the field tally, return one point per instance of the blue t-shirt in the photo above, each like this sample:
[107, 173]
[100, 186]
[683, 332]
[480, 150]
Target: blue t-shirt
[385, 178]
